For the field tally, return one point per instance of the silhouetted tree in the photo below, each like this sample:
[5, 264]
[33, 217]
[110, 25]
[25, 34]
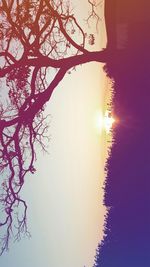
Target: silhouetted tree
[38, 40]
[127, 187]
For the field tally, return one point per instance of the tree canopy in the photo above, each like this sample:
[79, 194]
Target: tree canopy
[37, 37]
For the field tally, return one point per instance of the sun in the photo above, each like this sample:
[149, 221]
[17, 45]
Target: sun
[104, 122]
[108, 121]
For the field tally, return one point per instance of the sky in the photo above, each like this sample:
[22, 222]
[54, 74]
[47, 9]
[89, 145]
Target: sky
[64, 196]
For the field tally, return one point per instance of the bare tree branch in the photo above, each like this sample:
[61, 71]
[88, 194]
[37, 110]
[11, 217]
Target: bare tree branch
[36, 37]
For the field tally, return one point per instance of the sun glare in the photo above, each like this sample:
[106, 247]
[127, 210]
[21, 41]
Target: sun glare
[104, 122]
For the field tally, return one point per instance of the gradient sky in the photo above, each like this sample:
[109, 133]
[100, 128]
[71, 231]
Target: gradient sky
[64, 197]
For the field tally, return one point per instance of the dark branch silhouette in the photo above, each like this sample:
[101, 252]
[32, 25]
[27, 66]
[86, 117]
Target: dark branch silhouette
[37, 38]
